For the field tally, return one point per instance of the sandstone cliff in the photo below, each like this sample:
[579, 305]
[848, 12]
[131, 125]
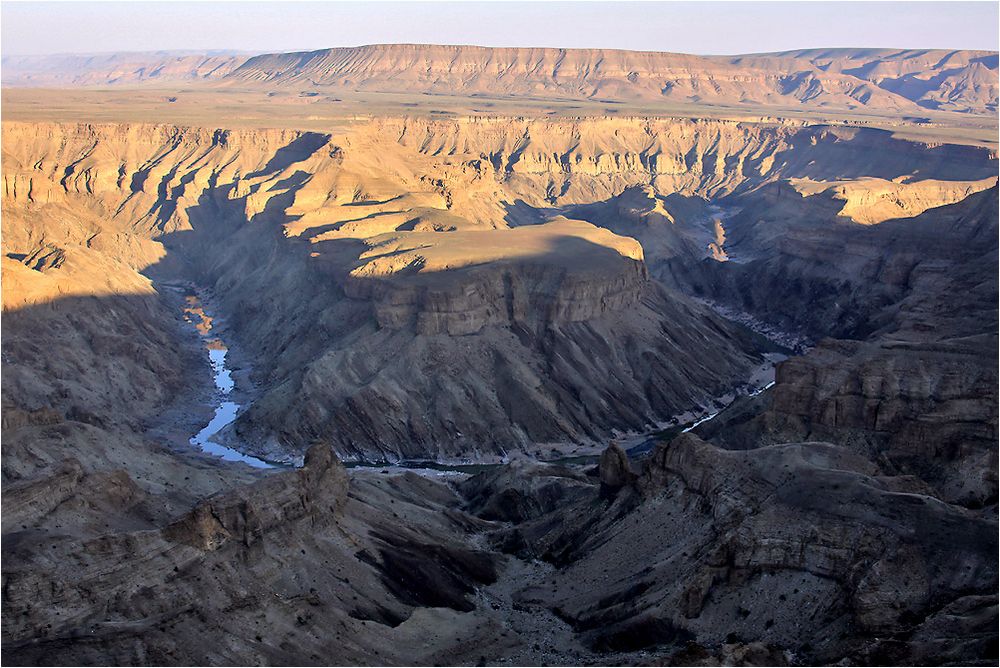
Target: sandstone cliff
[466, 288]
[409, 233]
[876, 79]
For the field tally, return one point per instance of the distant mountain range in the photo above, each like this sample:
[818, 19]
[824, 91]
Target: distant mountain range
[903, 81]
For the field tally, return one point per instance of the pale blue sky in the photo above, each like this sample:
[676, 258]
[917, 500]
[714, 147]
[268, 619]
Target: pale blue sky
[690, 27]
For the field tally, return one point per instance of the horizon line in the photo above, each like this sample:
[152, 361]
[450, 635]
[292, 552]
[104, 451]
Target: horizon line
[263, 52]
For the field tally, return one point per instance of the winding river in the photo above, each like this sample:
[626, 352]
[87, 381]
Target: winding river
[225, 410]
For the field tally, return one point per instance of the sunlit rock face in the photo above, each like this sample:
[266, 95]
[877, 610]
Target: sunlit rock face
[560, 272]
[492, 288]
[535, 237]
[877, 80]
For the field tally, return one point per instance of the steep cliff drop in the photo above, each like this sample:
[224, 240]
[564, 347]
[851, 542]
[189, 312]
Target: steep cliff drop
[507, 290]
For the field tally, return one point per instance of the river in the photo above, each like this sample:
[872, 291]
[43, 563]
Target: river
[225, 409]
[197, 314]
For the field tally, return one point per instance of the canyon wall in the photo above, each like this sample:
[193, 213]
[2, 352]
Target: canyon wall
[442, 241]
[466, 288]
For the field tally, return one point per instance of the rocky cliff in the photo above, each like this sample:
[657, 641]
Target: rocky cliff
[401, 229]
[169, 200]
[900, 81]
[413, 234]
[468, 288]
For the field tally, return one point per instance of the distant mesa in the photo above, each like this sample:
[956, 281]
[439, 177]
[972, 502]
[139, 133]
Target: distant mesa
[905, 82]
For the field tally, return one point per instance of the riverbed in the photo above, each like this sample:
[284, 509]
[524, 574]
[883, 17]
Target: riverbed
[225, 404]
[225, 408]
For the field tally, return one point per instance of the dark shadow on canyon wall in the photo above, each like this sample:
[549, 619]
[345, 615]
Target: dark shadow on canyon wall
[894, 496]
[299, 149]
[936, 271]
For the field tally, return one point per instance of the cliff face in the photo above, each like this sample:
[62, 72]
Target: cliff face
[537, 298]
[873, 79]
[926, 410]
[708, 158]
[466, 288]
[562, 271]
[507, 249]
[462, 166]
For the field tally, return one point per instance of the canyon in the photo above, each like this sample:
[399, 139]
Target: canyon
[474, 354]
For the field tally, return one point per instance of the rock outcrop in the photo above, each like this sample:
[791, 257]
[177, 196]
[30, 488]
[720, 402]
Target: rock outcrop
[712, 546]
[614, 469]
[246, 514]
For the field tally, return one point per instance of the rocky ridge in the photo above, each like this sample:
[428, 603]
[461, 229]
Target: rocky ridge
[756, 537]
[900, 81]
[847, 514]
